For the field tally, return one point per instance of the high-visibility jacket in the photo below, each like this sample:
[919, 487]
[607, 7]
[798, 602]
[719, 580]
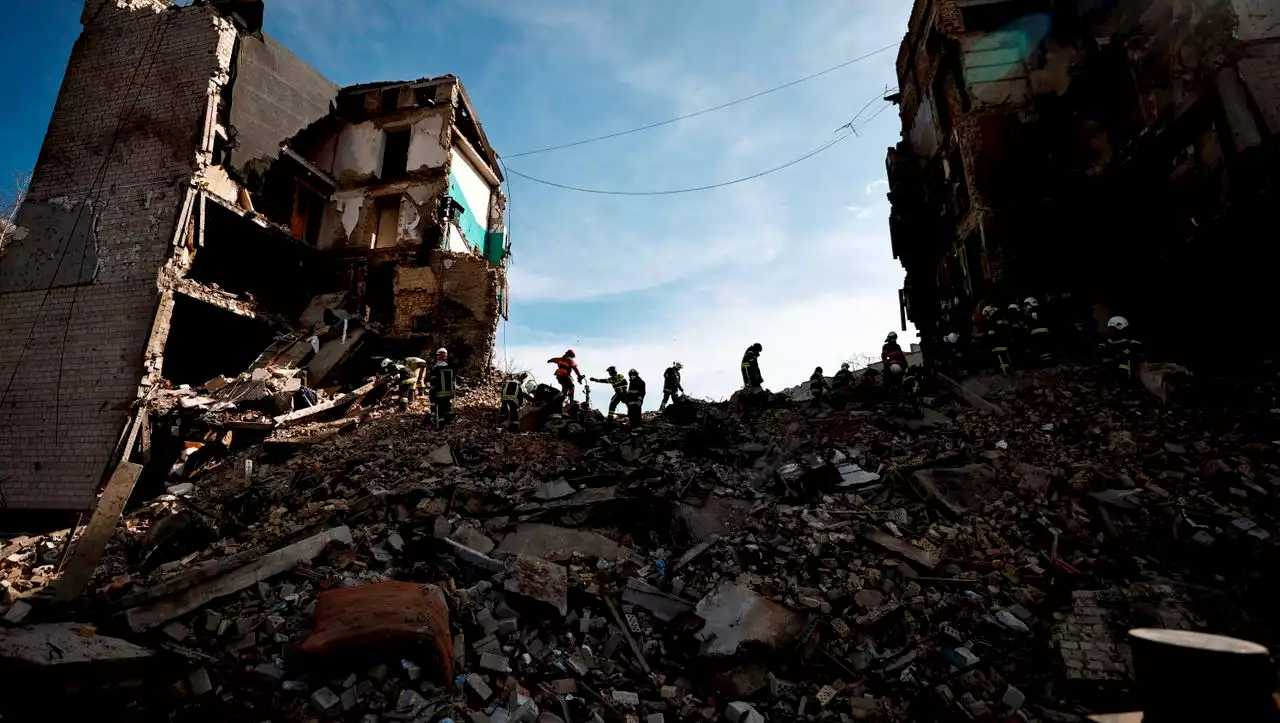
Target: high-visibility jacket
[512, 390]
[617, 381]
[565, 366]
[441, 380]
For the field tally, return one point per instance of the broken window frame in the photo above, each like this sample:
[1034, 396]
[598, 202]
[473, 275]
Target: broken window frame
[395, 164]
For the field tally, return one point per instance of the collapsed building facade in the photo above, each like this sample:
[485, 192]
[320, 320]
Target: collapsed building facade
[202, 195]
[1121, 151]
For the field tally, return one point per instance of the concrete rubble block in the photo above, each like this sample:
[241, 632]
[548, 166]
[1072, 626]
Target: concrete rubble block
[554, 490]
[473, 538]
[539, 580]
[1032, 478]
[560, 543]
[495, 663]
[387, 615]
[735, 614]
[901, 547]
[478, 688]
[177, 631]
[199, 681]
[325, 700]
[76, 642]
[17, 612]
[626, 697]
[664, 606]
[475, 557]
[1013, 698]
[487, 622]
[742, 712]
[441, 455]
[957, 490]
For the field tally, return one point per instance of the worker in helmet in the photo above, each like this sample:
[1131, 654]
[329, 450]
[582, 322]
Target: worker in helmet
[405, 379]
[671, 384]
[999, 337]
[635, 397]
[441, 390]
[619, 384]
[566, 370]
[1120, 351]
[1038, 336]
[842, 382]
[818, 386]
[513, 397]
[751, 377]
[894, 361]
[954, 358]
[419, 366]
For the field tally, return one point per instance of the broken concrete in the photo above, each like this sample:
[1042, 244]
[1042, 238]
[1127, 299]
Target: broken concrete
[736, 615]
[559, 543]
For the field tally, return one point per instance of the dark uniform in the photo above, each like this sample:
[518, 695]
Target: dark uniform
[619, 384]
[441, 394]
[635, 399]
[751, 367]
[513, 397]
[818, 386]
[670, 385]
[406, 383]
[999, 339]
[1121, 354]
[1039, 337]
[843, 380]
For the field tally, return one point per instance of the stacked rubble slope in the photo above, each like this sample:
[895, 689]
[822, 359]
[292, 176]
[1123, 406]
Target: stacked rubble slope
[758, 559]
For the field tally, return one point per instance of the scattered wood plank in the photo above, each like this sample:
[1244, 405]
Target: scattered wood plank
[901, 547]
[196, 574]
[635, 647]
[88, 550]
[292, 418]
[970, 396]
[146, 617]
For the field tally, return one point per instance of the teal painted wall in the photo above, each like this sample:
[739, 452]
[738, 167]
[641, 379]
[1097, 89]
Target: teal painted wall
[472, 229]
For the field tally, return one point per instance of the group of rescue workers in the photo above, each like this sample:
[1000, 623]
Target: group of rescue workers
[1028, 335]
[1018, 335]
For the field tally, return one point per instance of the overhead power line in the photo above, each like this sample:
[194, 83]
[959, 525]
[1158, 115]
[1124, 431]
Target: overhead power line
[850, 129]
[704, 111]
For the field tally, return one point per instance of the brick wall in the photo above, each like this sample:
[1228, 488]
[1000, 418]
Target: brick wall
[105, 323]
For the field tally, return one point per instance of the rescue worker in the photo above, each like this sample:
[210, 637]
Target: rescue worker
[818, 386]
[1120, 351]
[513, 397]
[843, 380]
[619, 384]
[894, 361]
[635, 398]
[419, 366]
[671, 384]
[566, 369]
[405, 381]
[751, 377]
[1039, 339]
[441, 390]
[956, 360]
[999, 336]
[912, 382]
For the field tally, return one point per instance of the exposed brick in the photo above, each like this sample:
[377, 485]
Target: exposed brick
[82, 347]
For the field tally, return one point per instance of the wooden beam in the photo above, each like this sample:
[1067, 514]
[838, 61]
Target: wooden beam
[89, 548]
[970, 396]
[146, 617]
[286, 420]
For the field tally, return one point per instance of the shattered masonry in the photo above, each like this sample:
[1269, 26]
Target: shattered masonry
[1119, 151]
[241, 185]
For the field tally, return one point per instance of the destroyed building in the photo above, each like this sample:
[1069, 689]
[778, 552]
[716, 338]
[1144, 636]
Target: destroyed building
[205, 202]
[1122, 151]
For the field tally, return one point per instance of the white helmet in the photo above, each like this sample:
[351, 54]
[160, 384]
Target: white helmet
[892, 335]
[1031, 302]
[951, 338]
[1119, 323]
[388, 362]
[1014, 307]
[677, 365]
[530, 387]
[895, 368]
[988, 311]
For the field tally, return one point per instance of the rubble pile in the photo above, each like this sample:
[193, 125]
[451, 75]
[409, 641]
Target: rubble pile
[761, 559]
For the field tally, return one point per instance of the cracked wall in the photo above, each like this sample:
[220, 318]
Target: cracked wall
[75, 352]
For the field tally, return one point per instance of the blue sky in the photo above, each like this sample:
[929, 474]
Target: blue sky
[799, 260]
